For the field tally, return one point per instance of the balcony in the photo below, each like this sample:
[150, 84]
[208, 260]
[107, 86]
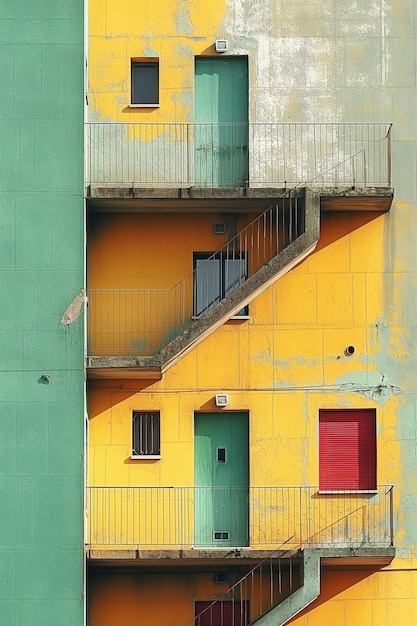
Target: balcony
[182, 518]
[179, 156]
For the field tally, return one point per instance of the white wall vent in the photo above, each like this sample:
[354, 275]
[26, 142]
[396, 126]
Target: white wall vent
[222, 399]
[222, 45]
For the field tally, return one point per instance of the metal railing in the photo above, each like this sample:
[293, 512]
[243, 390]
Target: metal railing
[267, 584]
[178, 517]
[142, 322]
[233, 155]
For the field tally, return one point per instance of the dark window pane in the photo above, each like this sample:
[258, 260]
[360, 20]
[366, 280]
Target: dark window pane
[234, 274]
[215, 277]
[145, 79]
[221, 455]
[207, 287]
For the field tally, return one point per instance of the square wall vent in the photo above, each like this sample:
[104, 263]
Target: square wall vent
[221, 578]
[219, 228]
[222, 45]
[222, 399]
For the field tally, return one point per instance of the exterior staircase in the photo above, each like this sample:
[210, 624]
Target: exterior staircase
[283, 585]
[257, 594]
[275, 242]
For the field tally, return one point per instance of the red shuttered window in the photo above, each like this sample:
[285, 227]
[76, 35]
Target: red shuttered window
[347, 455]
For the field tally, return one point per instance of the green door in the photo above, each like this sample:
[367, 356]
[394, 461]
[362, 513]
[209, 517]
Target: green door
[221, 479]
[221, 117]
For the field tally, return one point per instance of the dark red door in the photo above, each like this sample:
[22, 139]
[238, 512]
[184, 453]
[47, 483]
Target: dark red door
[222, 613]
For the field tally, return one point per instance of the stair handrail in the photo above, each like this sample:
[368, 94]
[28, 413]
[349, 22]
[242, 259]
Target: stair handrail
[247, 575]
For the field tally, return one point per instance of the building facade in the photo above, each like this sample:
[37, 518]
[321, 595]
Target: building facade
[41, 272]
[251, 272]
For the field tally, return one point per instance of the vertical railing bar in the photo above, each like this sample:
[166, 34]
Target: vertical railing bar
[388, 148]
[252, 614]
[391, 514]
[279, 576]
[260, 587]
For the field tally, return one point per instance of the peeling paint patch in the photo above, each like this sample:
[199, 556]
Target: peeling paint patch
[138, 344]
[299, 360]
[264, 355]
[381, 393]
[246, 42]
[74, 309]
[150, 52]
[185, 51]
[183, 21]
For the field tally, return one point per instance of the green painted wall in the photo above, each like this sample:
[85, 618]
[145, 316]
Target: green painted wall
[41, 271]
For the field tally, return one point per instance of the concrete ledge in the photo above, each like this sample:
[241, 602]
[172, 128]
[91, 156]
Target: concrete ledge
[240, 200]
[127, 367]
[189, 556]
[270, 192]
[127, 190]
[131, 192]
[353, 191]
[356, 557]
[112, 555]
[353, 199]
[215, 193]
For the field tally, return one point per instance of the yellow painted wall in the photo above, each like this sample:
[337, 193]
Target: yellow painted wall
[175, 31]
[353, 597]
[349, 598]
[132, 599]
[282, 365]
[135, 597]
[148, 251]
[149, 258]
[303, 67]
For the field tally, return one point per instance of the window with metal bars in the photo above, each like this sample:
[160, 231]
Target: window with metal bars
[146, 438]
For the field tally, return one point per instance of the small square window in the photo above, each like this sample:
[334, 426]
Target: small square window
[145, 82]
[146, 434]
